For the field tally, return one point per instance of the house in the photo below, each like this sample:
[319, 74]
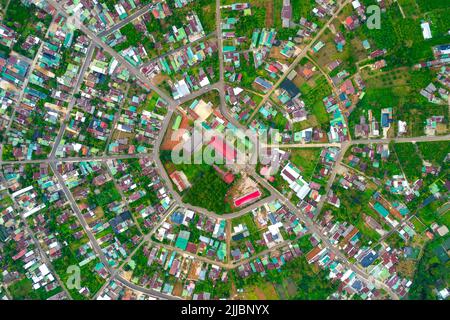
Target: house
[286, 14]
[426, 31]
[248, 198]
[223, 148]
[292, 175]
[290, 88]
[180, 180]
[264, 84]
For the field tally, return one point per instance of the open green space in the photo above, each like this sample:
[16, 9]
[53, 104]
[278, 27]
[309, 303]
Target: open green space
[432, 271]
[409, 160]
[23, 290]
[306, 159]
[436, 151]
[208, 190]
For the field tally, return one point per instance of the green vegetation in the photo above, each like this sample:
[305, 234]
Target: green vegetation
[107, 193]
[354, 205]
[398, 86]
[205, 10]
[297, 280]
[23, 290]
[247, 24]
[254, 233]
[434, 151]
[302, 8]
[89, 278]
[24, 21]
[400, 90]
[409, 160]
[313, 100]
[432, 271]
[426, 5]
[278, 122]
[401, 37]
[395, 241]
[306, 160]
[218, 289]
[134, 38]
[208, 190]
[429, 214]
[386, 168]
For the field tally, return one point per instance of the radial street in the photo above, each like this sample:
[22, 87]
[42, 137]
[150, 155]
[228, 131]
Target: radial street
[114, 273]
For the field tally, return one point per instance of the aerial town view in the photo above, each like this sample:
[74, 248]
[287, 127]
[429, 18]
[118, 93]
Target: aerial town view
[224, 150]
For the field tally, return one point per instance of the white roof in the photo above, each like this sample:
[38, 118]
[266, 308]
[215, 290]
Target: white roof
[204, 82]
[356, 4]
[18, 193]
[182, 88]
[237, 91]
[426, 31]
[44, 269]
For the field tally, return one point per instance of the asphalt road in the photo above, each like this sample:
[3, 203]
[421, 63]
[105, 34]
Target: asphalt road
[294, 64]
[127, 20]
[172, 105]
[73, 100]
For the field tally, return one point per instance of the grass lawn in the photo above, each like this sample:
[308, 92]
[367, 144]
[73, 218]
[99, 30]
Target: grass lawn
[353, 205]
[313, 99]
[418, 225]
[434, 151]
[409, 160]
[432, 271]
[208, 190]
[23, 290]
[306, 159]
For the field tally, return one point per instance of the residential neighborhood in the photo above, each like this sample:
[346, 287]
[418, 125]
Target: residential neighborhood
[224, 150]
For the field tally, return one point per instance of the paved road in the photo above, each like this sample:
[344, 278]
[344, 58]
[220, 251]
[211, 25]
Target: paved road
[362, 141]
[133, 70]
[402, 140]
[172, 105]
[127, 20]
[168, 53]
[303, 145]
[80, 159]
[24, 86]
[164, 128]
[116, 118]
[325, 241]
[73, 100]
[94, 242]
[301, 55]
[334, 171]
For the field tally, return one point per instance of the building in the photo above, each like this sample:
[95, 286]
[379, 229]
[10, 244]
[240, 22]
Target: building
[223, 148]
[426, 31]
[286, 14]
[245, 199]
[292, 175]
